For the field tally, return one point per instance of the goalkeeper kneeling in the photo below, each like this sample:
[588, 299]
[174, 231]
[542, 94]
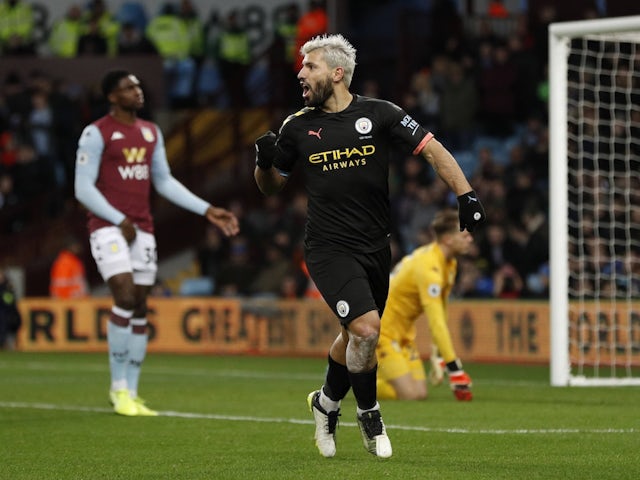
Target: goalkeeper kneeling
[419, 287]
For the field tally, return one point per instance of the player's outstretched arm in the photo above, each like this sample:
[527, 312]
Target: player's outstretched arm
[470, 208]
[223, 219]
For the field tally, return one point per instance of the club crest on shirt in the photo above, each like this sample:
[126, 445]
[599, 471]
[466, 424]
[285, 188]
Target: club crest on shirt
[363, 125]
[147, 134]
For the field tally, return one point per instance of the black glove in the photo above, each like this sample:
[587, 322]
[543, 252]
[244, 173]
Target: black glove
[266, 150]
[470, 211]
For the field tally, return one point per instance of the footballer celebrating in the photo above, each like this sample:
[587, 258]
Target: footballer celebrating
[420, 284]
[342, 143]
[119, 157]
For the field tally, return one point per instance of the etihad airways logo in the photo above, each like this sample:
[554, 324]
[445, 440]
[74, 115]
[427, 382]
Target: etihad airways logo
[342, 154]
[342, 157]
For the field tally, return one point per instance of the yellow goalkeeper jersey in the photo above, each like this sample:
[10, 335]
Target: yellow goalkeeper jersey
[420, 283]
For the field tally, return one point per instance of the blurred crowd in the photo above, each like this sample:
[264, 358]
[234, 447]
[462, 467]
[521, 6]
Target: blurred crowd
[483, 95]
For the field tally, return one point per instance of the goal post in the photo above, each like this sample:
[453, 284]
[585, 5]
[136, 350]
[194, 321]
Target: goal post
[594, 168]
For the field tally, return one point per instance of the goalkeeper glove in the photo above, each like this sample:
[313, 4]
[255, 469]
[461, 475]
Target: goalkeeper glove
[436, 372]
[459, 381]
[470, 211]
[265, 150]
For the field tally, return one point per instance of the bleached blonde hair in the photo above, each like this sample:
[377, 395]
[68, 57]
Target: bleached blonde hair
[338, 52]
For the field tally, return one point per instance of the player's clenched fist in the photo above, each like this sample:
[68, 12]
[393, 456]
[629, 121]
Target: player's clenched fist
[265, 150]
[471, 211]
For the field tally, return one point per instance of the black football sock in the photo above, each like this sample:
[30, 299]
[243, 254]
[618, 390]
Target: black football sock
[364, 388]
[337, 384]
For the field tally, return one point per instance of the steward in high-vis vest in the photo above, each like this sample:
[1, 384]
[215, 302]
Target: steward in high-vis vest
[68, 275]
[16, 27]
[108, 27]
[234, 57]
[63, 40]
[169, 35]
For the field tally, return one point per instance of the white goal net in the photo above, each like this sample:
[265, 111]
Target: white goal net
[594, 75]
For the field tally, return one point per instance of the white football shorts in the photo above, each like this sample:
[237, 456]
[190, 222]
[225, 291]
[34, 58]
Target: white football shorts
[113, 255]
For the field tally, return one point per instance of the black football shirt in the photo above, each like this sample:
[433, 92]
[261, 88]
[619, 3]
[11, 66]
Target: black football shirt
[345, 158]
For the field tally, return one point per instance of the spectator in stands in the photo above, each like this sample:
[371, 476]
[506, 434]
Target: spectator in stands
[521, 192]
[10, 318]
[291, 287]
[445, 21]
[507, 282]
[456, 50]
[537, 283]
[234, 58]
[65, 33]
[16, 28]
[497, 9]
[294, 218]
[68, 277]
[536, 226]
[497, 87]
[12, 215]
[211, 254]
[238, 270]
[40, 129]
[263, 221]
[106, 25]
[8, 151]
[31, 173]
[471, 281]
[8, 195]
[133, 41]
[16, 99]
[428, 202]
[312, 23]
[133, 12]
[527, 77]
[497, 248]
[195, 29]
[439, 73]
[459, 103]
[273, 272]
[542, 18]
[283, 57]
[169, 34]
[488, 167]
[428, 109]
[92, 41]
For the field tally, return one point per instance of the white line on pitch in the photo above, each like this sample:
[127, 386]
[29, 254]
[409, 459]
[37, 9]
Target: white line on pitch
[229, 373]
[244, 418]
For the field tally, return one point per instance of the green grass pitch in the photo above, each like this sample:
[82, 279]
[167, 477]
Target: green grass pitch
[246, 418]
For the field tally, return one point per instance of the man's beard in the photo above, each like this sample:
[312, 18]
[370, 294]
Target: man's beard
[321, 93]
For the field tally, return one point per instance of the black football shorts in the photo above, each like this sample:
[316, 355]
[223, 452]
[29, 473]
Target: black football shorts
[352, 284]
